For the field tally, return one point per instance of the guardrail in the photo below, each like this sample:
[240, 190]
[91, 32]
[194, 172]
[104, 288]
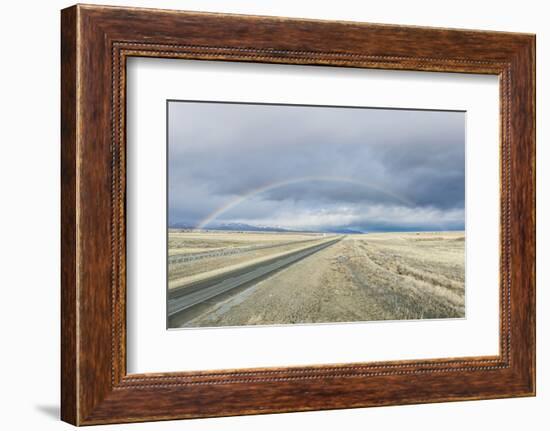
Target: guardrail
[180, 258]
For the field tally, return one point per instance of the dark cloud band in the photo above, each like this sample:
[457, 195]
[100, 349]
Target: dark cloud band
[406, 164]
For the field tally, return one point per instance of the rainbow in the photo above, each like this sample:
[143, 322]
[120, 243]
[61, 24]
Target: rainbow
[271, 186]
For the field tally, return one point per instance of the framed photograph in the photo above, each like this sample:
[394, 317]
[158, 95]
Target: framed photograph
[264, 214]
[372, 197]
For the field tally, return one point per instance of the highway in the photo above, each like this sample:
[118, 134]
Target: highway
[182, 299]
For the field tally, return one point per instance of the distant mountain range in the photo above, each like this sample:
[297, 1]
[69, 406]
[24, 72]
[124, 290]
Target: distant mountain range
[343, 230]
[253, 228]
[234, 227]
[249, 228]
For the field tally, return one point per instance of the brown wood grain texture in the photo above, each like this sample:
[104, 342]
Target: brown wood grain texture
[95, 43]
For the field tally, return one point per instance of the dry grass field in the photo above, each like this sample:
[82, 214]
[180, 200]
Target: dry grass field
[181, 241]
[386, 276]
[228, 249]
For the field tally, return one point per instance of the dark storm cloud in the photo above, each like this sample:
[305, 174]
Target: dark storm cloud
[370, 169]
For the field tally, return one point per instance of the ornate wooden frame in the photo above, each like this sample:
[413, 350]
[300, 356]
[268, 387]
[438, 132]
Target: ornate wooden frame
[96, 41]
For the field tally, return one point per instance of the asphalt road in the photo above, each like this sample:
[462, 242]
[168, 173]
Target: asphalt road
[183, 299]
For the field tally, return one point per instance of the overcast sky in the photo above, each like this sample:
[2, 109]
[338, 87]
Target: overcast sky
[315, 168]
